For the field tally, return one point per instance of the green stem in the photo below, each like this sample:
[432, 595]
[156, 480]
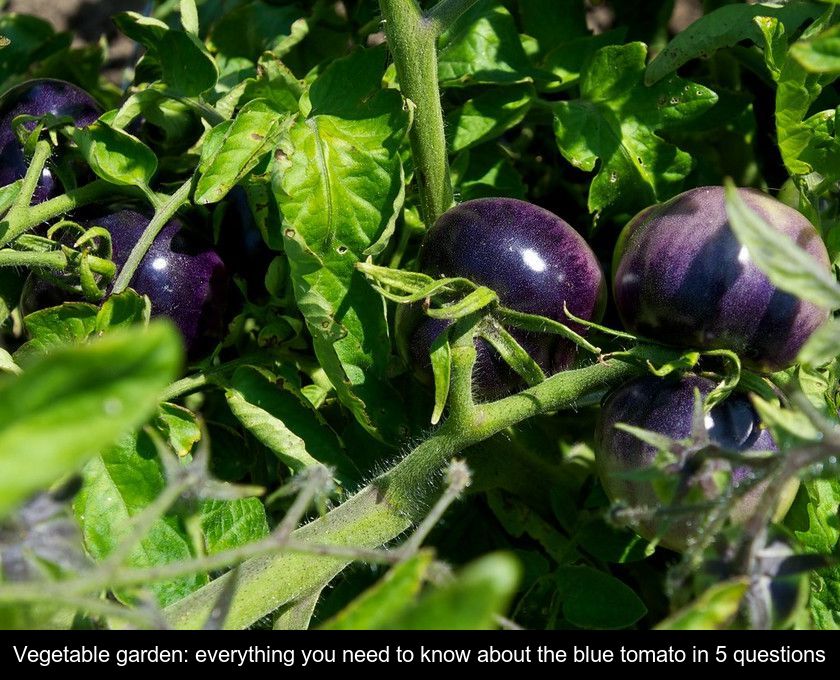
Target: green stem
[412, 40]
[389, 506]
[53, 259]
[32, 216]
[162, 216]
[31, 179]
[460, 400]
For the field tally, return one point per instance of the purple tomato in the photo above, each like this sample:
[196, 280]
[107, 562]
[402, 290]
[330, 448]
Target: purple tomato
[681, 277]
[666, 406]
[533, 259]
[182, 275]
[37, 98]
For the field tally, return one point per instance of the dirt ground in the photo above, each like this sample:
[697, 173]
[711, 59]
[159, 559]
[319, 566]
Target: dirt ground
[88, 20]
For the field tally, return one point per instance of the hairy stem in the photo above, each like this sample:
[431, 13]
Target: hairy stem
[158, 222]
[31, 179]
[53, 259]
[412, 40]
[389, 506]
[20, 222]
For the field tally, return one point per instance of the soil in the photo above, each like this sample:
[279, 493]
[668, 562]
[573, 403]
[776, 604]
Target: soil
[88, 20]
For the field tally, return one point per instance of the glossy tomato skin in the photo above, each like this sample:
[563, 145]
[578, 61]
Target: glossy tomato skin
[184, 278]
[532, 258]
[681, 277]
[37, 98]
[665, 406]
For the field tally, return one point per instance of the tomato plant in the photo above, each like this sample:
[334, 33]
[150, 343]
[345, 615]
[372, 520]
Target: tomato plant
[315, 284]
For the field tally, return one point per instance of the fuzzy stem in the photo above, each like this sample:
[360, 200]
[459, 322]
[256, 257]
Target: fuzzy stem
[31, 179]
[389, 506]
[460, 399]
[412, 40]
[53, 259]
[158, 222]
[32, 216]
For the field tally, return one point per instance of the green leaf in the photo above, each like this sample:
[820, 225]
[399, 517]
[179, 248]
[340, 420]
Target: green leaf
[472, 601]
[713, 610]
[725, 27]
[483, 46]
[55, 327]
[230, 524]
[118, 485]
[806, 144]
[116, 156]
[611, 544]
[595, 599]
[488, 115]
[789, 267]
[276, 84]
[11, 286]
[340, 189]
[297, 615]
[821, 536]
[122, 311]
[820, 54]
[145, 30]
[440, 355]
[486, 171]
[179, 426]
[477, 300]
[248, 138]
[553, 22]
[27, 37]
[518, 519]
[187, 67]
[822, 346]
[616, 120]
[658, 441]
[789, 427]
[387, 599]
[253, 28]
[512, 353]
[280, 417]
[9, 193]
[567, 61]
[189, 16]
[7, 363]
[77, 400]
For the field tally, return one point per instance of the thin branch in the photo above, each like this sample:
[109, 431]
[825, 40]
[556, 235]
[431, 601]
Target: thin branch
[158, 222]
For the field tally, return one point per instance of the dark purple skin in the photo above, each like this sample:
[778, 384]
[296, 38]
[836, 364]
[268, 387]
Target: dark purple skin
[666, 406]
[184, 278]
[681, 277]
[37, 98]
[533, 259]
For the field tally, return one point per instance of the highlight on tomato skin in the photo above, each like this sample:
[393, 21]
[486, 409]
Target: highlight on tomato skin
[39, 97]
[184, 277]
[666, 406]
[681, 277]
[534, 260]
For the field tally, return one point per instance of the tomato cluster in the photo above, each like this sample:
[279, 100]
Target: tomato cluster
[681, 278]
[182, 275]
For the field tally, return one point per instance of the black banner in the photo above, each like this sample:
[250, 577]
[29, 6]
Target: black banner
[317, 652]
